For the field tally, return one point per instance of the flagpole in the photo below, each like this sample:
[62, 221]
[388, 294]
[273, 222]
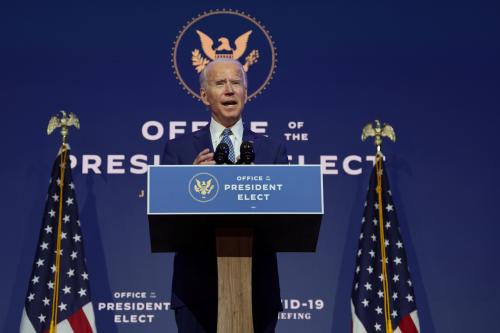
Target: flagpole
[378, 132]
[64, 122]
[385, 284]
[55, 296]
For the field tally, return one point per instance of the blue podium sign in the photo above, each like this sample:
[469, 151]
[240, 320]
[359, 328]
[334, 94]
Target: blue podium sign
[235, 189]
[282, 204]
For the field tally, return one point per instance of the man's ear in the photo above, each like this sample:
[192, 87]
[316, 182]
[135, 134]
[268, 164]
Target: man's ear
[246, 96]
[204, 98]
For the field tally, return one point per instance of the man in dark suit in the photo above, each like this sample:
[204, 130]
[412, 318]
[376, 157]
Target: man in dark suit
[194, 287]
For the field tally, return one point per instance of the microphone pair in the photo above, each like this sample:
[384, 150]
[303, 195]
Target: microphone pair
[247, 154]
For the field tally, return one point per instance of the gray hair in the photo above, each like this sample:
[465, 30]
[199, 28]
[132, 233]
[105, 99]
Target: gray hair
[204, 72]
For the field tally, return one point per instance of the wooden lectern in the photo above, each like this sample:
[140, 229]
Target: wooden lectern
[288, 221]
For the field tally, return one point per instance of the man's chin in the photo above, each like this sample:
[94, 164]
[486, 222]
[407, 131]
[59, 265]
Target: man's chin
[228, 120]
[231, 112]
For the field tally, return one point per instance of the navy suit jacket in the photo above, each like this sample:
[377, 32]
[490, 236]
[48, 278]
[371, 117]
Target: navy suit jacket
[195, 274]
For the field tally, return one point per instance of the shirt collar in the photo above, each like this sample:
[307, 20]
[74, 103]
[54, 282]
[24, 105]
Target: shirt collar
[216, 130]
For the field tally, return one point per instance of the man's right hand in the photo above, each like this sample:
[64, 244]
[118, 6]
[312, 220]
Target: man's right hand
[204, 157]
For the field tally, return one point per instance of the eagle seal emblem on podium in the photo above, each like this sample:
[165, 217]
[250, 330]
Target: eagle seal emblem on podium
[203, 187]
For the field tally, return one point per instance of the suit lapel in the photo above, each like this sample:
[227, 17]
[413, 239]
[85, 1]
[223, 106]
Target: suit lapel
[203, 139]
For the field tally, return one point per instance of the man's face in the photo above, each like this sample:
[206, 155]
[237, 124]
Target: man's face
[224, 92]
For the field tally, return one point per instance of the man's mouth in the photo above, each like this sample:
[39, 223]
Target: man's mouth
[229, 103]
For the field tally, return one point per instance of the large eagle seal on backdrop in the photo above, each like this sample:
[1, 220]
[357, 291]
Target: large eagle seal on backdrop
[224, 48]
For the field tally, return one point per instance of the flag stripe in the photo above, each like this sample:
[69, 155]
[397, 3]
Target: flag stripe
[407, 326]
[414, 317]
[26, 326]
[79, 322]
[64, 327]
[89, 312]
[357, 325]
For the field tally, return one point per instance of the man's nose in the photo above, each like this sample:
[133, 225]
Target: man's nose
[228, 88]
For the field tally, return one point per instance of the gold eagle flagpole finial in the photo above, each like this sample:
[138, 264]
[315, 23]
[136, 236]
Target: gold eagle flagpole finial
[378, 132]
[64, 122]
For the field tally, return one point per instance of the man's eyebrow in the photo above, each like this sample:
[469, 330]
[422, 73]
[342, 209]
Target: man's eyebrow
[226, 80]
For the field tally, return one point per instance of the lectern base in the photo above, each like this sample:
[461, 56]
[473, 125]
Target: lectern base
[234, 270]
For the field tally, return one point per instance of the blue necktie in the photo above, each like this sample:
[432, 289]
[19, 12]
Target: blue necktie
[225, 138]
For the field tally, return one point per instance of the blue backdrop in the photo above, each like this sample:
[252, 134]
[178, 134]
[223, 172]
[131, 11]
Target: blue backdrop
[429, 68]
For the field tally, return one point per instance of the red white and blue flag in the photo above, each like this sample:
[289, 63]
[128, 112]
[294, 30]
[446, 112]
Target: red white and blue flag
[382, 293]
[72, 311]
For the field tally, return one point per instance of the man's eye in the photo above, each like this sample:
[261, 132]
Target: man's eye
[235, 83]
[219, 83]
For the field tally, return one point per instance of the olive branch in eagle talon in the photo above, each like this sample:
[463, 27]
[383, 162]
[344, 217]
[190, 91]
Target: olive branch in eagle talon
[223, 50]
[203, 187]
[199, 62]
[251, 59]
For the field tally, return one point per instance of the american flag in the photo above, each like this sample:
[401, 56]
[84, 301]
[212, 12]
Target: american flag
[74, 308]
[367, 297]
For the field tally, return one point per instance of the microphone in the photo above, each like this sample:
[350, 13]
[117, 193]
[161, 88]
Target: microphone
[221, 155]
[247, 154]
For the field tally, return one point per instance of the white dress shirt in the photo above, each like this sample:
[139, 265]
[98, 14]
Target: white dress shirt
[236, 137]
